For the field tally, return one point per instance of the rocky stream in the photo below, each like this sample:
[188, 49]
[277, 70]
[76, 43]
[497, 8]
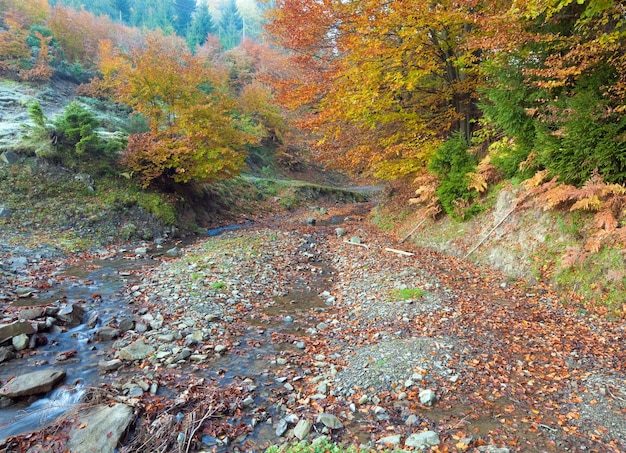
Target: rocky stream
[312, 326]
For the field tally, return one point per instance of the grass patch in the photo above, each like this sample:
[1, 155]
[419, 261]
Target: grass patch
[319, 445]
[405, 294]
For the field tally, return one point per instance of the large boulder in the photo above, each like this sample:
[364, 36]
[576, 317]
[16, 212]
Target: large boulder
[99, 429]
[71, 314]
[8, 331]
[32, 383]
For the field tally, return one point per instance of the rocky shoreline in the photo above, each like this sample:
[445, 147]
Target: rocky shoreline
[304, 329]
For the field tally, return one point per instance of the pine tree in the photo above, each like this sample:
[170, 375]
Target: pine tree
[201, 26]
[184, 10]
[231, 25]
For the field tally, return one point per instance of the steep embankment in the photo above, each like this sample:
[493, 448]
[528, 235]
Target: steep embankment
[523, 240]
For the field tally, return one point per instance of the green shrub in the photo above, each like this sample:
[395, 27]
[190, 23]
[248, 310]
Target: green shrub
[451, 163]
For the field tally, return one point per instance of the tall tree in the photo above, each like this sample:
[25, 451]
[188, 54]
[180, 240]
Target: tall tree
[231, 25]
[201, 26]
[183, 10]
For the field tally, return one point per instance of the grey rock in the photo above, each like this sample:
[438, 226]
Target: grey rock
[390, 441]
[141, 251]
[32, 383]
[136, 351]
[5, 213]
[99, 429]
[6, 353]
[173, 252]
[422, 440]
[310, 221]
[20, 342]
[9, 158]
[125, 324]
[329, 420]
[107, 333]
[493, 449]
[428, 397]
[355, 240]
[341, 232]
[220, 348]
[411, 420]
[302, 429]
[281, 427]
[8, 331]
[300, 345]
[110, 365]
[71, 314]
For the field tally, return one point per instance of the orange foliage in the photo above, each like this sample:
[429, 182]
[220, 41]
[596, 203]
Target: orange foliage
[193, 133]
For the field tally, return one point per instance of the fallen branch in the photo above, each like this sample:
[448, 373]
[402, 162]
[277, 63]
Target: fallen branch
[400, 252]
[491, 232]
[413, 230]
[356, 243]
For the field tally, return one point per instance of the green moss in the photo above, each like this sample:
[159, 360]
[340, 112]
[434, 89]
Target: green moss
[407, 294]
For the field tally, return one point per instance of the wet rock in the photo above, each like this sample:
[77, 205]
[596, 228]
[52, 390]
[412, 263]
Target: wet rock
[20, 342]
[302, 429]
[99, 429]
[422, 440]
[125, 324]
[136, 351]
[31, 313]
[32, 383]
[281, 427]
[329, 420]
[92, 320]
[71, 314]
[428, 397]
[6, 353]
[107, 333]
[8, 331]
[110, 365]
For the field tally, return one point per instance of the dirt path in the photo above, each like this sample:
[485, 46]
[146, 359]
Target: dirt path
[286, 321]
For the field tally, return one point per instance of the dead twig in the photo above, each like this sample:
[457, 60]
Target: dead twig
[399, 252]
[356, 243]
[413, 230]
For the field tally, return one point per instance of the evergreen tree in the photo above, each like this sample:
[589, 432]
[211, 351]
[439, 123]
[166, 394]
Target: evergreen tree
[183, 10]
[122, 10]
[201, 26]
[231, 25]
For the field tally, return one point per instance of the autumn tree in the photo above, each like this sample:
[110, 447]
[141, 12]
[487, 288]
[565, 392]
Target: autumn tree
[194, 132]
[392, 79]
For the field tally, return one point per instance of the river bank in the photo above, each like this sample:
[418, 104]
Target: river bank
[316, 324]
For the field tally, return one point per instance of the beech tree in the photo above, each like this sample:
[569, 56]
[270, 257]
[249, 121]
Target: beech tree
[194, 131]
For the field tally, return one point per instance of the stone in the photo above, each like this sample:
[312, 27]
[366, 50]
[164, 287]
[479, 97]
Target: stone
[493, 449]
[107, 333]
[341, 232]
[141, 251]
[8, 331]
[302, 429]
[355, 240]
[32, 383]
[125, 324]
[5, 213]
[136, 351]
[411, 420]
[71, 314]
[390, 441]
[110, 365]
[422, 440]
[31, 313]
[9, 158]
[281, 427]
[428, 397]
[329, 420]
[6, 353]
[220, 348]
[173, 252]
[99, 429]
[310, 221]
[20, 342]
